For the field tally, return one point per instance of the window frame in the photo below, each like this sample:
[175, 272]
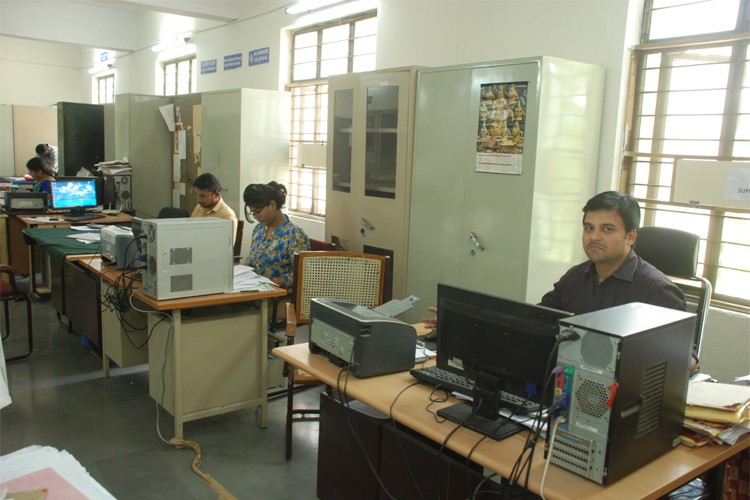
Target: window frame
[192, 74]
[317, 203]
[106, 79]
[653, 201]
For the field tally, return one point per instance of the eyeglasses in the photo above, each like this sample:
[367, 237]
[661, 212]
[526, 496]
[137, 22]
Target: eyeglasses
[253, 213]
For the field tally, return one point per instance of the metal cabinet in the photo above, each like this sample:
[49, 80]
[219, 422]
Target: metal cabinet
[370, 130]
[504, 159]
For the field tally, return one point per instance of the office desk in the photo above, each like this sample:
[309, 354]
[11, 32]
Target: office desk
[207, 355]
[653, 480]
[21, 247]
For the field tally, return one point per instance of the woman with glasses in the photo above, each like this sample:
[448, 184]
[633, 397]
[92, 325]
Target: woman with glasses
[275, 239]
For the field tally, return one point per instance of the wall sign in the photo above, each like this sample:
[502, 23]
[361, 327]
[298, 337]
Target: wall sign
[232, 61]
[208, 66]
[259, 56]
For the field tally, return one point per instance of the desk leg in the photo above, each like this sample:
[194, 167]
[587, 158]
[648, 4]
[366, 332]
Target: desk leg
[177, 381]
[263, 349]
[32, 271]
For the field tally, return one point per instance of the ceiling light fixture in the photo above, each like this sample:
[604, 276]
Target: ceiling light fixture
[310, 5]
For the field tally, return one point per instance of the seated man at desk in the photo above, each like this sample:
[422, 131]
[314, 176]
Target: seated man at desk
[613, 274]
[208, 190]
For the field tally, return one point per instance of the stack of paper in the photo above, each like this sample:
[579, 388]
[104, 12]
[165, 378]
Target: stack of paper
[247, 280]
[719, 412]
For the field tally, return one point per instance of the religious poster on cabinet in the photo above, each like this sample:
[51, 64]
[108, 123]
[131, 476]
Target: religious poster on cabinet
[501, 127]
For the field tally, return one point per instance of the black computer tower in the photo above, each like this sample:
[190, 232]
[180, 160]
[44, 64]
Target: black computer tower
[621, 389]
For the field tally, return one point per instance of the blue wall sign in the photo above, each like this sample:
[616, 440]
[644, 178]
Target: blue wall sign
[208, 66]
[232, 61]
[259, 56]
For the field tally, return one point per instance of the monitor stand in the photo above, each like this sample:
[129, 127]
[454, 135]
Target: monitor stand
[463, 413]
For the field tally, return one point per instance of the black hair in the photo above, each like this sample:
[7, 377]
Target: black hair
[41, 148]
[624, 204]
[260, 195]
[208, 182]
[37, 165]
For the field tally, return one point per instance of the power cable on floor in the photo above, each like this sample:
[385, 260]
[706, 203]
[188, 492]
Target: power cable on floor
[217, 487]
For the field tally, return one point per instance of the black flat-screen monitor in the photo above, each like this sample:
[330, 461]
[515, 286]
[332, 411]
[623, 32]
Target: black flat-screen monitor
[75, 194]
[499, 345]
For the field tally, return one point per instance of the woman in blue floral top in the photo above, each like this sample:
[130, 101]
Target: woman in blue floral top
[275, 239]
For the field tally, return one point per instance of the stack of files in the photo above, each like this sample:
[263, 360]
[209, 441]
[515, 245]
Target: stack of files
[716, 413]
[247, 280]
[114, 167]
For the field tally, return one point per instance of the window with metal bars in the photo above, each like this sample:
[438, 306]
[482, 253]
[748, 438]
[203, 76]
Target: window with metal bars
[344, 46]
[690, 100]
[105, 89]
[180, 76]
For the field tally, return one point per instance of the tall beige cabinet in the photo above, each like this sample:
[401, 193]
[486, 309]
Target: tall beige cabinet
[370, 141]
[245, 139]
[505, 157]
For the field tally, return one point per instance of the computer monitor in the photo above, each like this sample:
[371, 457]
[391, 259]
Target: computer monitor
[499, 345]
[74, 194]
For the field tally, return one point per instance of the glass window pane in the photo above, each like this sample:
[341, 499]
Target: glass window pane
[304, 71]
[693, 127]
[733, 283]
[305, 55]
[333, 67]
[334, 50]
[336, 33]
[702, 102]
[366, 27]
[691, 148]
[692, 18]
[363, 63]
[306, 40]
[709, 76]
[365, 45]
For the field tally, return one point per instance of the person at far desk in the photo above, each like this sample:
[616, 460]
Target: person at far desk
[41, 175]
[48, 154]
[613, 274]
[275, 239]
[207, 189]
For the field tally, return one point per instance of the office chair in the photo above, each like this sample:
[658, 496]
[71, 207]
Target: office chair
[9, 291]
[675, 253]
[237, 249]
[352, 276]
[172, 213]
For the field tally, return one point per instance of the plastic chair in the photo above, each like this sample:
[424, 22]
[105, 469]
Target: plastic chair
[675, 253]
[172, 213]
[9, 291]
[352, 276]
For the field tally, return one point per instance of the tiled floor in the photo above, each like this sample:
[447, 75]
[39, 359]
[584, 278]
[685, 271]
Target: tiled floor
[61, 399]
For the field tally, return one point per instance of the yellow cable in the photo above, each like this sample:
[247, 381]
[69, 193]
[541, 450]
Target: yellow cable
[217, 487]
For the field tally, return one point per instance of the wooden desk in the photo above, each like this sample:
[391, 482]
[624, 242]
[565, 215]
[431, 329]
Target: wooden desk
[651, 481]
[207, 355]
[21, 249]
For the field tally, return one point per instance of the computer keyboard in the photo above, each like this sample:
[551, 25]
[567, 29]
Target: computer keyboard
[447, 380]
[454, 382]
[80, 218]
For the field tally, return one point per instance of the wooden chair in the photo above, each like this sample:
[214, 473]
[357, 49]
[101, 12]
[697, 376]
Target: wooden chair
[9, 291]
[675, 253]
[352, 276]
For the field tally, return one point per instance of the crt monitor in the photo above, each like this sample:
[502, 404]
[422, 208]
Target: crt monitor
[499, 345]
[76, 194]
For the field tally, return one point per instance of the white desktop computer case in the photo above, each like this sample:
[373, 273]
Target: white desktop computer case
[187, 257]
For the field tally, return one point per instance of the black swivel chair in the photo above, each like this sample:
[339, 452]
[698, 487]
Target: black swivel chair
[675, 253]
[10, 292]
[172, 213]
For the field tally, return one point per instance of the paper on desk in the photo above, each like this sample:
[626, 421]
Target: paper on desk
[728, 397]
[247, 280]
[421, 353]
[86, 237]
[43, 218]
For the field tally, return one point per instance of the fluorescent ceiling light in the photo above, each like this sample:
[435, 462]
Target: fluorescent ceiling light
[310, 5]
[336, 12]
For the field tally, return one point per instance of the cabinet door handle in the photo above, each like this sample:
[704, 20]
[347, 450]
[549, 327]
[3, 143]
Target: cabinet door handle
[475, 240]
[366, 224]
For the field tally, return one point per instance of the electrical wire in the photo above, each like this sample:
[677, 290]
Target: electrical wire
[558, 421]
